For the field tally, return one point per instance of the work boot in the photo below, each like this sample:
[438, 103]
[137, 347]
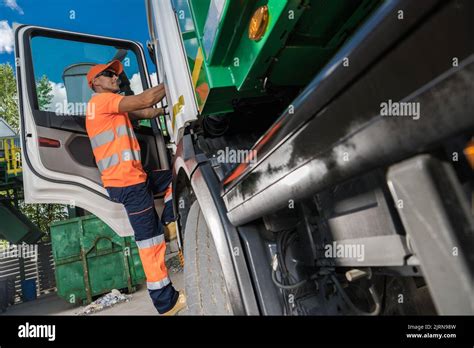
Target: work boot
[179, 305]
[170, 231]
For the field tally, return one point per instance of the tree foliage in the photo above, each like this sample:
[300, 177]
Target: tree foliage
[8, 96]
[42, 215]
[44, 92]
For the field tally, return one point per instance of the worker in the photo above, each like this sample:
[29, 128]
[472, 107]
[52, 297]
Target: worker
[117, 154]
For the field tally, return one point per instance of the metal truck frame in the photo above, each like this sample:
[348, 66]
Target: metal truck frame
[393, 160]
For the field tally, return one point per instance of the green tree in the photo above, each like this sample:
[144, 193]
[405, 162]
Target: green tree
[8, 96]
[44, 91]
[42, 215]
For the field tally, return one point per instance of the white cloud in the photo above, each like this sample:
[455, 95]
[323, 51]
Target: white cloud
[12, 4]
[59, 97]
[189, 25]
[154, 79]
[136, 82]
[6, 37]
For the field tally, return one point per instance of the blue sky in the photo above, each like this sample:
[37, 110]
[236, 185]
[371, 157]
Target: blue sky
[124, 19]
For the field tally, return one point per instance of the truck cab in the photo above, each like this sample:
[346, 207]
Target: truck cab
[312, 145]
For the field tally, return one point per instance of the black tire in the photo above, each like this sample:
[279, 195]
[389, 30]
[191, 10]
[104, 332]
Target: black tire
[206, 291]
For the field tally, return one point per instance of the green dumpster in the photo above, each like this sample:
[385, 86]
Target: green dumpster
[91, 259]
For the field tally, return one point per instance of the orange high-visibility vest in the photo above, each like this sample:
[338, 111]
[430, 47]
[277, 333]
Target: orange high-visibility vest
[115, 146]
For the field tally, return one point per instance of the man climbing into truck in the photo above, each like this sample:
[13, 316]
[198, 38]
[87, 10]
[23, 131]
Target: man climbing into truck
[117, 154]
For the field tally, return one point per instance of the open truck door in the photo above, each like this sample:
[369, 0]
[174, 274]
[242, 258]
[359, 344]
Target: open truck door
[170, 34]
[58, 163]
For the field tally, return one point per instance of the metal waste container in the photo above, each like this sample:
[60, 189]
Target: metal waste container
[91, 259]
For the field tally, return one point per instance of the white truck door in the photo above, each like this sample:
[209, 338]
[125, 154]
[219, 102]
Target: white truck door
[173, 67]
[58, 163]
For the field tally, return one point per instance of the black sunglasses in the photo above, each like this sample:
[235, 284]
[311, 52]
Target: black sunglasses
[107, 73]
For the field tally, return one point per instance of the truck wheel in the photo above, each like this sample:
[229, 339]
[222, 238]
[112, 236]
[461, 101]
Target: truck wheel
[206, 291]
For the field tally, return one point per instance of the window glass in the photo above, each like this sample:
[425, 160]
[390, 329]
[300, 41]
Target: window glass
[186, 25]
[60, 69]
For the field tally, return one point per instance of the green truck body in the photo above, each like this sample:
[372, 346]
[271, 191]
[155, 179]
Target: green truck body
[298, 38]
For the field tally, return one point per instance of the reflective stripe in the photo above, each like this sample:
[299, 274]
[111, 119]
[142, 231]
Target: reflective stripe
[168, 193]
[102, 139]
[129, 155]
[147, 243]
[141, 211]
[124, 130]
[158, 285]
[108, 162]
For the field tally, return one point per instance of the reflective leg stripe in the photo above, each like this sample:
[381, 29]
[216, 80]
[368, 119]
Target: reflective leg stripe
[158, 285]
[108, 162]
[129, 155]
[141, 211]
[168, 194]
[147, 243]
[153, 261]
[102, 138]
[124, 130]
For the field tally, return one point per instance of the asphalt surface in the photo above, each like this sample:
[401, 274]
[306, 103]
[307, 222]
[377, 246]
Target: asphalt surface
[139, 304]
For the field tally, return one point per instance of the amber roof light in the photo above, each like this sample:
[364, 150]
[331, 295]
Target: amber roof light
[469, 153]
[258, 23]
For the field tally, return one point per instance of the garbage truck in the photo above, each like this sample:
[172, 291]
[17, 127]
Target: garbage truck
[321, 151]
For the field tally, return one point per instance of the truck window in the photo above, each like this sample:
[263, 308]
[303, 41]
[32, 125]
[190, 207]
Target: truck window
[186, 25]
[60, 69]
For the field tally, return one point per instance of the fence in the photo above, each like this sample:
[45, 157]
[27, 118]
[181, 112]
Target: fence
[39, 266]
